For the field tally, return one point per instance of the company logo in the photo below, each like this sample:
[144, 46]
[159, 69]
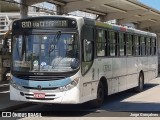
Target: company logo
[39, 87]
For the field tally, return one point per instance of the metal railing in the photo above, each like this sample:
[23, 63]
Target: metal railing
[7, 18]
[4, 24]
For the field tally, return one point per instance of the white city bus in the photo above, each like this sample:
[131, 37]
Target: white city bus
[65, 59]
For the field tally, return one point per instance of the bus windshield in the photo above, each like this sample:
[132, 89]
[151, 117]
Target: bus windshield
[57, 52]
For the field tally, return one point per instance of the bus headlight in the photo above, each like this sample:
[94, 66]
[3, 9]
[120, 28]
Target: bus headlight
[70, 85]
[15, 85]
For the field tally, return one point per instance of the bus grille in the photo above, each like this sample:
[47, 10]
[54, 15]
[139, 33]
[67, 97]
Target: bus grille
[42, 78]
[35, 88]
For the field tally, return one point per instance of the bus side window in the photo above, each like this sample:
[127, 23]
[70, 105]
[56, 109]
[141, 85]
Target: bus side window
[148, 46]
[129, 44]
[112, 43]
[107, 49]
[153, 46]
[100, 43]
[143, 48]
[136, 45]
[133, 46]
[121, 44]
[139, 42]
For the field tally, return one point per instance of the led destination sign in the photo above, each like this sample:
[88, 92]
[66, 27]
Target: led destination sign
[41, 24]
[44, 23]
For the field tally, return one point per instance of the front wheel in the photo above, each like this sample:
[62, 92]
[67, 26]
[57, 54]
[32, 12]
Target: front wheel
[100, 97]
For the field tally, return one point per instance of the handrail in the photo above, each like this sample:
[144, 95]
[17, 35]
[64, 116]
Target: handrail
[4, 24]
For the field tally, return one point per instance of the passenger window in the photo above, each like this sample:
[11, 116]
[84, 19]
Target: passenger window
[148, 46]
[121, 44]
[153, 46]
[137, 48]
[112, 43]
[101, 43]
[143, 46]
[129, 44]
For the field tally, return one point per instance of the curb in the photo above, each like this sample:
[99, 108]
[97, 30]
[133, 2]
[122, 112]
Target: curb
[15, 107]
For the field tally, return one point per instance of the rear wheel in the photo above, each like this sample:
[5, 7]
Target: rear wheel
[139, 88]
[100, 96]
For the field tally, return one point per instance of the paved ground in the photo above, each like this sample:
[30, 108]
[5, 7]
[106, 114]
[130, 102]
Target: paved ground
[5, 103]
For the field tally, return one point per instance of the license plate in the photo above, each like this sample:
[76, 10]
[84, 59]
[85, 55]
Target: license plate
[39, 95]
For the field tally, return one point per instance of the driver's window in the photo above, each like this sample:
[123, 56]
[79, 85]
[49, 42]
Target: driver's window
[88, 51]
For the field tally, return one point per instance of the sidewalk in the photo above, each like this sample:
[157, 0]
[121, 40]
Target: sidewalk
[5, 103]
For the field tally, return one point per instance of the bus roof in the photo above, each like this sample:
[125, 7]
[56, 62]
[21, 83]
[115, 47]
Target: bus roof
[124, 29]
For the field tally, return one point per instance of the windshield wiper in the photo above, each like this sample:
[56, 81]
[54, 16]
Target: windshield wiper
[54, 41]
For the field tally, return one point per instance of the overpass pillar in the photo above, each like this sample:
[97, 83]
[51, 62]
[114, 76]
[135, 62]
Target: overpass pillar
[102, 18]
[23, 9]
[158, 50]
[60, 10]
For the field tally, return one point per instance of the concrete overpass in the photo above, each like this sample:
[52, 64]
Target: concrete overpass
[8, 7]
[125, 11]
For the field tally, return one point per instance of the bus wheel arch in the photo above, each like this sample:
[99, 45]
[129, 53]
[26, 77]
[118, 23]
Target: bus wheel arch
[102, 92]
[105, 85]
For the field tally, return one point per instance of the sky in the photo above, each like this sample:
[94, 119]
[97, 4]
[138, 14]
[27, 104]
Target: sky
[152, 3]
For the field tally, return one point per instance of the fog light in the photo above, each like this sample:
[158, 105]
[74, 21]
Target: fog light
[22, 93]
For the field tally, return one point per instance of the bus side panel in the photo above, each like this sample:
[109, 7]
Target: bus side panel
[149, 72]
[119, 69]
[132, 72]
[152, 60]
[104, 69]
[143, 66]
[89, 83]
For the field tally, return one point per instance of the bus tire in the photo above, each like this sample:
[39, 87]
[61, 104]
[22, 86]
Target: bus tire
[96, 103]
[140, 86]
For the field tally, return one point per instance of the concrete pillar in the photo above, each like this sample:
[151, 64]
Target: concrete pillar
[102, 18]
[158, 42]
[117, 22]
[0, 7]
[158, 50]
[23, 9]
[60, 10]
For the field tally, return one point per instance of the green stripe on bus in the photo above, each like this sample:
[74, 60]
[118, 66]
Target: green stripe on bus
[103, 25]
